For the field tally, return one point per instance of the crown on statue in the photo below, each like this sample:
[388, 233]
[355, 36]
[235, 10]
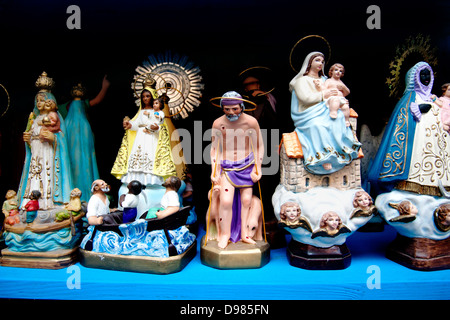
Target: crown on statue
[78, 91]
[149, 82]
[44, 83]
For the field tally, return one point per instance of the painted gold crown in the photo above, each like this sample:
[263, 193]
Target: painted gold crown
[44, 83]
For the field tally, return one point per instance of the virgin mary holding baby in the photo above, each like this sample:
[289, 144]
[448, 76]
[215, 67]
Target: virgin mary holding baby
[327, 143]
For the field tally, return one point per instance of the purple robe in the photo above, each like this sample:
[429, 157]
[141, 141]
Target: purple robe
[238, 174]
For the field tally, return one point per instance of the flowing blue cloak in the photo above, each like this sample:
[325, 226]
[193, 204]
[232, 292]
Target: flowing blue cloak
[323, 139]
[391, 163]
[80, 140]
[62, 182]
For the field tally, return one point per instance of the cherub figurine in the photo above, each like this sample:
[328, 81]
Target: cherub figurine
[407, 211]
[290, 216]
[442, 217]
[330, 226]
[130, 201]
[363, 205]
[10, 208]
[335, 103]
[32, 206]
[444, 103]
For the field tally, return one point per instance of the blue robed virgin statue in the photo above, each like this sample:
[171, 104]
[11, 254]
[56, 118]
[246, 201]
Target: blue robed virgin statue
[411, 127]
[47, 163]
[328, 144]
[80, 138]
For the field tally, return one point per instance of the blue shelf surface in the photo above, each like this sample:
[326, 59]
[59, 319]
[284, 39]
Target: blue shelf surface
[370, 276]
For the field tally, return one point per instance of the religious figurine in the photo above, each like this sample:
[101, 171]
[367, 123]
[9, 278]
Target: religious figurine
[47, 163]
[51, 121]
[444, 103]
[409, 177]
[129, 201]
[407, 211]
[290, 216]
[157, 117]
[442, 217]
[363, 205]
[80, 138]
[330, 226]
[73, 208]
[10, 208]
[145, 154]
[170, 202]
[98, 206]
[320, 170]
[257, 84]
[116, 240]
[337, 146]
[236, 155]
[32, 206]
[237, 175]
[42, 236]
[335, 103]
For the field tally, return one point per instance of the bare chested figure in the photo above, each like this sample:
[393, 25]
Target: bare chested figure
[236, 155]
[337, 102]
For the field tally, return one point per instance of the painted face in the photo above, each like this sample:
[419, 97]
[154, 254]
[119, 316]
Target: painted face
[40, 102]
[251, 83]
[317, 63]
[447, 92]
[337, 72]
[147, 98]
[103, 186]
[291, 213]
[425, 77]
[363, 201]
[446, 219]
[50, 105]
[156, 105]
[232, 112]
[11, 194]
[333, 222]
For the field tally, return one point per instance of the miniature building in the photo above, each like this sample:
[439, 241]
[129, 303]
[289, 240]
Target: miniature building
[294, 177]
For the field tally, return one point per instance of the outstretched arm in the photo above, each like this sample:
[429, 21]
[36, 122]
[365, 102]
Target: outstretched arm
[101, 95]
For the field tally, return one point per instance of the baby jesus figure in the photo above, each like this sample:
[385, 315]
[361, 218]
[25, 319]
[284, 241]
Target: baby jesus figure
[51, 120]
[335, 103]
[444, 103]
[156, 117]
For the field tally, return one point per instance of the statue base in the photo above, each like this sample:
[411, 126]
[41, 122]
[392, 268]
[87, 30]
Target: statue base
[309, 257]
[57, 259]
[237, 255]
[142, 264]
[275, 235]
[420, 253]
